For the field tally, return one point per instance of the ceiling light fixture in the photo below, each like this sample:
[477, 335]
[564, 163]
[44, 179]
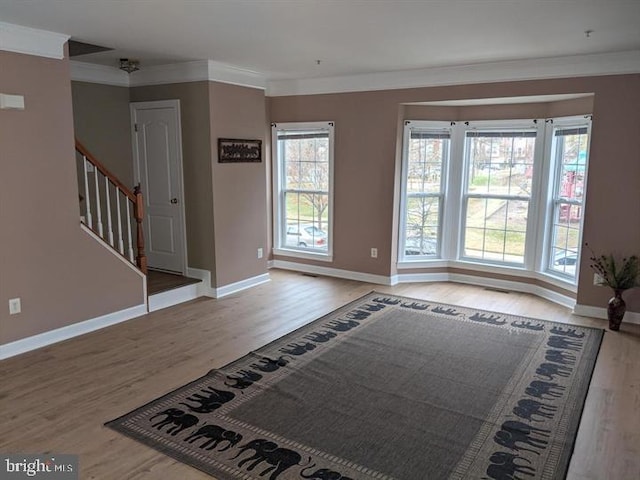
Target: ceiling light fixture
[129, 65]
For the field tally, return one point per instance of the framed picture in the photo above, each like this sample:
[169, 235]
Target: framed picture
[231, 150]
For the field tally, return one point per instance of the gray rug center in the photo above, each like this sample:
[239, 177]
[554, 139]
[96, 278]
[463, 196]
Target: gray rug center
[391, 389]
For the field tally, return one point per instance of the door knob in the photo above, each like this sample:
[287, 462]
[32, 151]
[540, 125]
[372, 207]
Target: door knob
[174, 200]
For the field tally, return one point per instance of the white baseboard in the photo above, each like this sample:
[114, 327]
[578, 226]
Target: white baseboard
[173, 297]
[204, 287]
[335, 272]
[54, 336]
[422, 277]
[429, 277]
[510, 285]
[537, 290]
[599, 312]
[241, 285]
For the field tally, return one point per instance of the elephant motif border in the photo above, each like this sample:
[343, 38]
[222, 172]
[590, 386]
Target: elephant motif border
[528, 436]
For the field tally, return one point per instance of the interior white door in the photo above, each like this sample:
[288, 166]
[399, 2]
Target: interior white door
[157, 147]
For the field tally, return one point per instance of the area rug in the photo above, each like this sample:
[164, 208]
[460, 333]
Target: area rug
[385, 387]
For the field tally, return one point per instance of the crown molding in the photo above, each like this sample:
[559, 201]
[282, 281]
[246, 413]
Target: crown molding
[617, 63]
[220, 72]
[31, 41]
[94, 73]
[172, 73]
[196, 71]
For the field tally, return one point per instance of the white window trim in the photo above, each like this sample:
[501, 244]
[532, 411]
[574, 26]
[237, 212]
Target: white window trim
[553, 173]
[501, 125]
[278, 204]
[435, 127]
[540, 217]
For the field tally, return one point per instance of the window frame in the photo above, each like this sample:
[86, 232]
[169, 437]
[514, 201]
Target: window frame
[552, 195]
[427, 127]
[533, 199]
[279, 191]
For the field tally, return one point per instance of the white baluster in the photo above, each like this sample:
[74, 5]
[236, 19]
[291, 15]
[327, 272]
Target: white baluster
[120, 242]
[108, 200]
[98, 207]
[86, 193]
[130, 244]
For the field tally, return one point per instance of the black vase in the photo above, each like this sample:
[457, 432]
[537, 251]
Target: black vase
[615, 310]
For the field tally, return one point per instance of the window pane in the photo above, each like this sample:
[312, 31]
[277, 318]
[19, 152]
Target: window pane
[566, 239]
[496, 229]
[423, 214]
[306, 162]
[500, 165]
[307, 220]
[424, 163]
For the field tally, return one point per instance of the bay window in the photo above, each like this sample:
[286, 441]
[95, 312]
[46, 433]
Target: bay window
[507, 194]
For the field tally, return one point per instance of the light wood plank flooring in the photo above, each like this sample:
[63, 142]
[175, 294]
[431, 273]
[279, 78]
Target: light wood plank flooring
[56, 399]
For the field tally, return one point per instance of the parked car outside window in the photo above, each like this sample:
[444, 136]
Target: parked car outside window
[306, 235]
[420, 246]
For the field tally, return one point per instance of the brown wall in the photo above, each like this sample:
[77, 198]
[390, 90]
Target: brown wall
[239, 189]
[366, 135]
[102, 123]
[365, 148]
[62, 275]
[226, 204]
[196, 155]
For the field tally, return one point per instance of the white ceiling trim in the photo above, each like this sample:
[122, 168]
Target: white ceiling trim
[220, 72]
[30, 41]
[94, 73]
[195, 72]
[470, 102]
[173, 73]
[205, 70]
[555, 67]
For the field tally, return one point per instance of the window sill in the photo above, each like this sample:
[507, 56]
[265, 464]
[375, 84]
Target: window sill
[423, 263]
[308, 255]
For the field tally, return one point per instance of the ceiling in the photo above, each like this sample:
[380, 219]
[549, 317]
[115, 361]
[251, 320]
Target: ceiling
[285, 39]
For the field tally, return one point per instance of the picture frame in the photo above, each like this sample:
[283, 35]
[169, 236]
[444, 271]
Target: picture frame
[233, 150]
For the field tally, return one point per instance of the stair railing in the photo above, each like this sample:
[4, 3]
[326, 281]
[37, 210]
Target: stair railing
[104, 193]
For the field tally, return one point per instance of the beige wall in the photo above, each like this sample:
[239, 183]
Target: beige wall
[101, 121]
[62, 275]
[239, 189]
[226, 204]
[196, 155]
[366, 164]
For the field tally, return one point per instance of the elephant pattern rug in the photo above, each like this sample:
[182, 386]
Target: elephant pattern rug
[385, 387]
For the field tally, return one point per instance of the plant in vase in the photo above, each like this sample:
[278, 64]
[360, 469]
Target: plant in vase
[619, 276]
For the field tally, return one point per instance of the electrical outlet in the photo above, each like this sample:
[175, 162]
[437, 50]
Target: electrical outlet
[260, 253]
[598, 280]
[374, 253]
[14, 306]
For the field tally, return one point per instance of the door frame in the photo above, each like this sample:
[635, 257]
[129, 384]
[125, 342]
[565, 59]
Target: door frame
[175, 105]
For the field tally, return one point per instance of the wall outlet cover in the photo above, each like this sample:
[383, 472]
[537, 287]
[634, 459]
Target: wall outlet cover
[14, 306]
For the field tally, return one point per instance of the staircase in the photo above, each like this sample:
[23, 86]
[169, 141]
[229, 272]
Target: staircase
[110, 209]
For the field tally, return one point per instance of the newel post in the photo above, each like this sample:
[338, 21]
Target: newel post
[141, 258]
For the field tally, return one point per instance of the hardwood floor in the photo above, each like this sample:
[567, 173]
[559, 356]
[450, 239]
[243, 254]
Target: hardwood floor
[55, 400]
